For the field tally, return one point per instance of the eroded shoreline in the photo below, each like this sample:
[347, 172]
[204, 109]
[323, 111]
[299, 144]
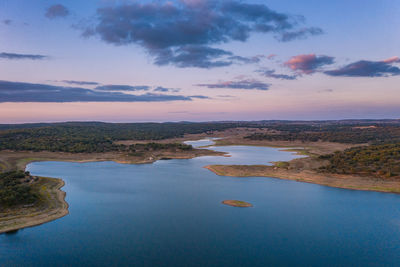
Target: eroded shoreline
[332, 180]
[54, 207]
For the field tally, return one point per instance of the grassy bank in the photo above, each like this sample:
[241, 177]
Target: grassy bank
[50, 206]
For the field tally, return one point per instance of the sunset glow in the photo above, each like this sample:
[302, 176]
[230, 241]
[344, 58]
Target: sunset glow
[198, 60]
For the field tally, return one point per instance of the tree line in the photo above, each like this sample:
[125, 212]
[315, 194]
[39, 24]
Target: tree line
[339, 134]
[99, 137]
[379, 160]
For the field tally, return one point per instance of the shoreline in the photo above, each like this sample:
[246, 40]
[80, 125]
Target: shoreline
[29, 217]
[56, 205]
[20, 159]
[26, 217]
[352, 182]
[302, 169]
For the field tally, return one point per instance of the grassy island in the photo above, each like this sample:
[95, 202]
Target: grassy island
[237, 203]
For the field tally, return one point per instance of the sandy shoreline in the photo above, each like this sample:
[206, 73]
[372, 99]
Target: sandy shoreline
[33, 216]
[300, 170]
[332, 180]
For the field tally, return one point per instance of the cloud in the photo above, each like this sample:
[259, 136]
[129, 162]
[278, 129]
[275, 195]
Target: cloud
[181, 33]
[114, 87]
[56, 11]
[247, 60]
[80, 82]
[7, 22]
[365, 68]
[163, 89]
[308, 64]
[31, 92]
[199, 96]
[271, 74]
[200, 57]
[299, 34]
[391, 60]
[225, 96]
[243, 84]
[193, 56]
[5, 55]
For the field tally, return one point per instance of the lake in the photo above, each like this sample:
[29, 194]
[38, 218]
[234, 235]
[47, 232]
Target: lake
[169, 213]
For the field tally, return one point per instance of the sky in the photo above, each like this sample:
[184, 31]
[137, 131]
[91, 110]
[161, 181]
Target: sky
[198, 60]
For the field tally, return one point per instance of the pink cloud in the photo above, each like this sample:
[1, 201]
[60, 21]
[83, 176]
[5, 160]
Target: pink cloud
[308, 64]
[392, 60]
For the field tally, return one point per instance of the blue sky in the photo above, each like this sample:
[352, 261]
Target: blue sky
[244, 60]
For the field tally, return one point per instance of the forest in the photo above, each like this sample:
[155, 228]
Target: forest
[378, 153]
[375, 134]
[98, 137]
[89, 137]
[379, 160]
[15, 189]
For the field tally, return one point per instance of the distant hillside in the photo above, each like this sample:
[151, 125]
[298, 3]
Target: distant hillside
[101, 137]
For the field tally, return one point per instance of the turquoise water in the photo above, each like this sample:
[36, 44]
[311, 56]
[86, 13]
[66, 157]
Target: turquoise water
[170, 214]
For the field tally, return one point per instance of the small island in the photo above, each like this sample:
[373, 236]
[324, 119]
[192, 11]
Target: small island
[237, 203]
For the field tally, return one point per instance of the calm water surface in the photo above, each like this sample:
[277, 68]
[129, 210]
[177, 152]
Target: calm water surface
[170, 214]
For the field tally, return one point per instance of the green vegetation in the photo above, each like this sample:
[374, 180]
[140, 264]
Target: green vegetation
[90, 137]
[281, 164]
[379, 160]
[159, 146]
[340, 134]
[137, 150]
[15, 189]
[96, 137]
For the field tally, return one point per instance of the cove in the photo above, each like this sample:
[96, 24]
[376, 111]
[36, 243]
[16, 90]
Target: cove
[169, 213]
